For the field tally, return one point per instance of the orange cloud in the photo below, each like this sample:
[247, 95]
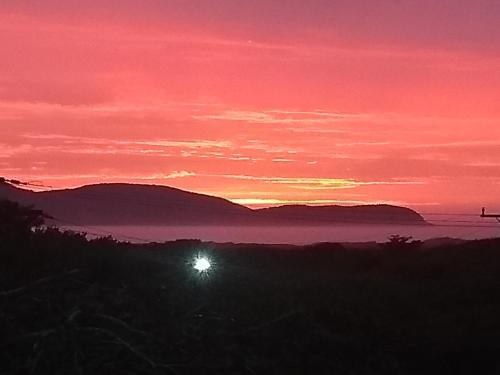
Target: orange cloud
[397, 106]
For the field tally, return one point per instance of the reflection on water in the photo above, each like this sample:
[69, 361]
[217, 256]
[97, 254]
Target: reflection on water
[289, 235]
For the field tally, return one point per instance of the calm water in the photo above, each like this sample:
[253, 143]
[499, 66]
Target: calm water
[289, 235]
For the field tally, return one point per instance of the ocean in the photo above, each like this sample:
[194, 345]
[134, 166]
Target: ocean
[297, 235]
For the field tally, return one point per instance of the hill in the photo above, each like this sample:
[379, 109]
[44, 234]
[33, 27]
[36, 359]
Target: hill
[133, 204]
[368, 214]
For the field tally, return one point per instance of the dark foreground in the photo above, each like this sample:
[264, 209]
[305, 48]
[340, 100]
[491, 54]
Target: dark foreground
[72, 306]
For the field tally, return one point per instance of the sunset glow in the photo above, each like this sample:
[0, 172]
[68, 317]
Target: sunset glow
[259, 102]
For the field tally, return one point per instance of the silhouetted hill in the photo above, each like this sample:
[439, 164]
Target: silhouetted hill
[341, 214]
[129, 204]
[132, 204]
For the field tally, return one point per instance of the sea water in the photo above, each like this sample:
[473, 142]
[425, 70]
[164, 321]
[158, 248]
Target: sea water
[298, 235]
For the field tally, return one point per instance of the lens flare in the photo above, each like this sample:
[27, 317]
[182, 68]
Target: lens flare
[201, 264]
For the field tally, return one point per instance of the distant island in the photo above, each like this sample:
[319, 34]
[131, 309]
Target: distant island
[136, 204]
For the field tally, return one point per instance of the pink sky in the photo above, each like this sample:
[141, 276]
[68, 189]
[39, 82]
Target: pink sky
[260, 102]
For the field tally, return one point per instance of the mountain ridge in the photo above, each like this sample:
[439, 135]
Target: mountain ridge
[142, 204]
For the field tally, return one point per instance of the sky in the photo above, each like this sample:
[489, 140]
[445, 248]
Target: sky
[260, 102]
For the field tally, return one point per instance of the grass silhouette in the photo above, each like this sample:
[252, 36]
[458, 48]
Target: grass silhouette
[69, 305]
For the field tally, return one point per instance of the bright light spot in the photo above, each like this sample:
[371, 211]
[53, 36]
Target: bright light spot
[201, 264]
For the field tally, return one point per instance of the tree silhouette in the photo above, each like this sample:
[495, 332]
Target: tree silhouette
[17, 222]
[397, 241]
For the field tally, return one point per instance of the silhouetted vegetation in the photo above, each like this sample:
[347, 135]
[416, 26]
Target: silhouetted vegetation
[71, 305]
[401, 242]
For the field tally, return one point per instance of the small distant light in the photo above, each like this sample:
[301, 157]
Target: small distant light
[201, 264]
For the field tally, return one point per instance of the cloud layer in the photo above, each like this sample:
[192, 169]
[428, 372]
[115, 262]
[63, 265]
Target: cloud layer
[260, 102]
